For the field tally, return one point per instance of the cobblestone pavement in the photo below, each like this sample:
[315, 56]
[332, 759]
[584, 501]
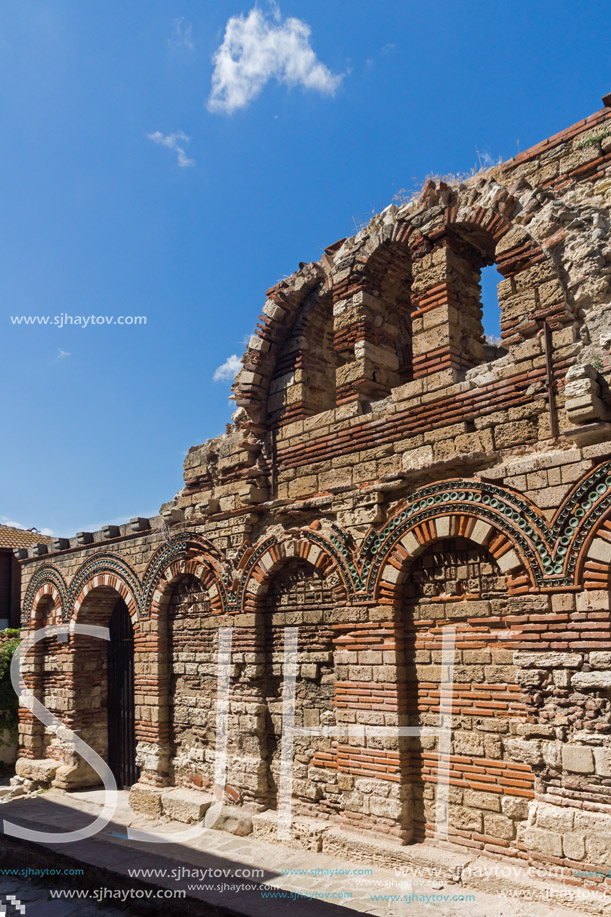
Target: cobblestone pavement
[323, 890]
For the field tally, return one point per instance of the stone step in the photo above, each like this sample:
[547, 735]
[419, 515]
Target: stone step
[189, 807]
[184, 805]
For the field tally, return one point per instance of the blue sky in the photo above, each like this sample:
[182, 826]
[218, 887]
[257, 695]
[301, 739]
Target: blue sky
[133, 187]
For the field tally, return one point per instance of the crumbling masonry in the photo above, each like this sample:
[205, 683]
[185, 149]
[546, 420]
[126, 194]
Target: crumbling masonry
[388, 473]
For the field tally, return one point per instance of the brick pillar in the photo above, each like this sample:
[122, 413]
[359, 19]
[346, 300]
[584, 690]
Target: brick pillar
[151, 673]
[31, 730]
[365, 336]
[373, 771]
[447, 315]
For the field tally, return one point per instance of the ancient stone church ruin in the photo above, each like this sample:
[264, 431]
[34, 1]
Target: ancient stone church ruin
[389, 477]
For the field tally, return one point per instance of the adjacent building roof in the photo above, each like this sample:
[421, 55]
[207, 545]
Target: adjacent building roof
[21, 538]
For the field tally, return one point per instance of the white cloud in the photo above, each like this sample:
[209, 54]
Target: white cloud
[227, 370]
[171, 142]
[4, 520]
[259, 47]
[62, 354]
[11, 522]
[181, 36]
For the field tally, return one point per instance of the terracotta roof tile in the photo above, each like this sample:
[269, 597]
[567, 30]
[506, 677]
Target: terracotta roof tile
[21, 538]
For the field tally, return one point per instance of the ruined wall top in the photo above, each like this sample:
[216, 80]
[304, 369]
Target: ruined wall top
[371, 369]
[548, 206]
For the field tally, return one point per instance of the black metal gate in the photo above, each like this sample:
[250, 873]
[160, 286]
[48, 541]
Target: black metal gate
[121, 707]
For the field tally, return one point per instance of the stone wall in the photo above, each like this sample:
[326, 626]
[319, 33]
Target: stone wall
[390, 477]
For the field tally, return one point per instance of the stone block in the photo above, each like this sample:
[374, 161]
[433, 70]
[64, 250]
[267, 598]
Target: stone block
[602, 761]
[306, 833]
[41, 771]
[386, 808]
[598, 849]
[548, 660]
[555, 818]
[234, 820]
[499, 826]
[600, 550]
[413, 459]
[185, 805]
[465, 819]
[146, 800]
[515, 807]
[468, 743]
[552, 754]
[480, 800]
[578, 759]
[574, 846]
[584, 681]
[546, 843]
[525, 751]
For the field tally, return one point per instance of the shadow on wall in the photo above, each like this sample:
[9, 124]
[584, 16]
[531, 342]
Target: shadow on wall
[8, 748]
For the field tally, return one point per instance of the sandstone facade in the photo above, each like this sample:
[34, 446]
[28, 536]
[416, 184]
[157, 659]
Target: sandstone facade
[389, 474]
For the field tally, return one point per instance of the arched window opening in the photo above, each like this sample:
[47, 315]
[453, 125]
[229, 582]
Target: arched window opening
[303, 380]
[491, 318]
[372, 326]
[104, 684]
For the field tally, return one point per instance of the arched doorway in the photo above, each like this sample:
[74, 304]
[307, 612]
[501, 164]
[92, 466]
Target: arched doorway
[102, 693]
[121, 700]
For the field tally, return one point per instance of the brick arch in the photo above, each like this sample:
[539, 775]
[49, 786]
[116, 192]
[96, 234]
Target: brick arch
[269, 557]
[174, 573]
[282, 304]
[109, 571]
[372, 327]
[582, 529]
[48, 598]
[594, 565]
[511, 257]
[47, 580]
[384, 243]
[488, 206]
[476, 228]
[302, 379]
[184, 555]
[492, 208]
[351, 265]
[484, 203]
[413, 540]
